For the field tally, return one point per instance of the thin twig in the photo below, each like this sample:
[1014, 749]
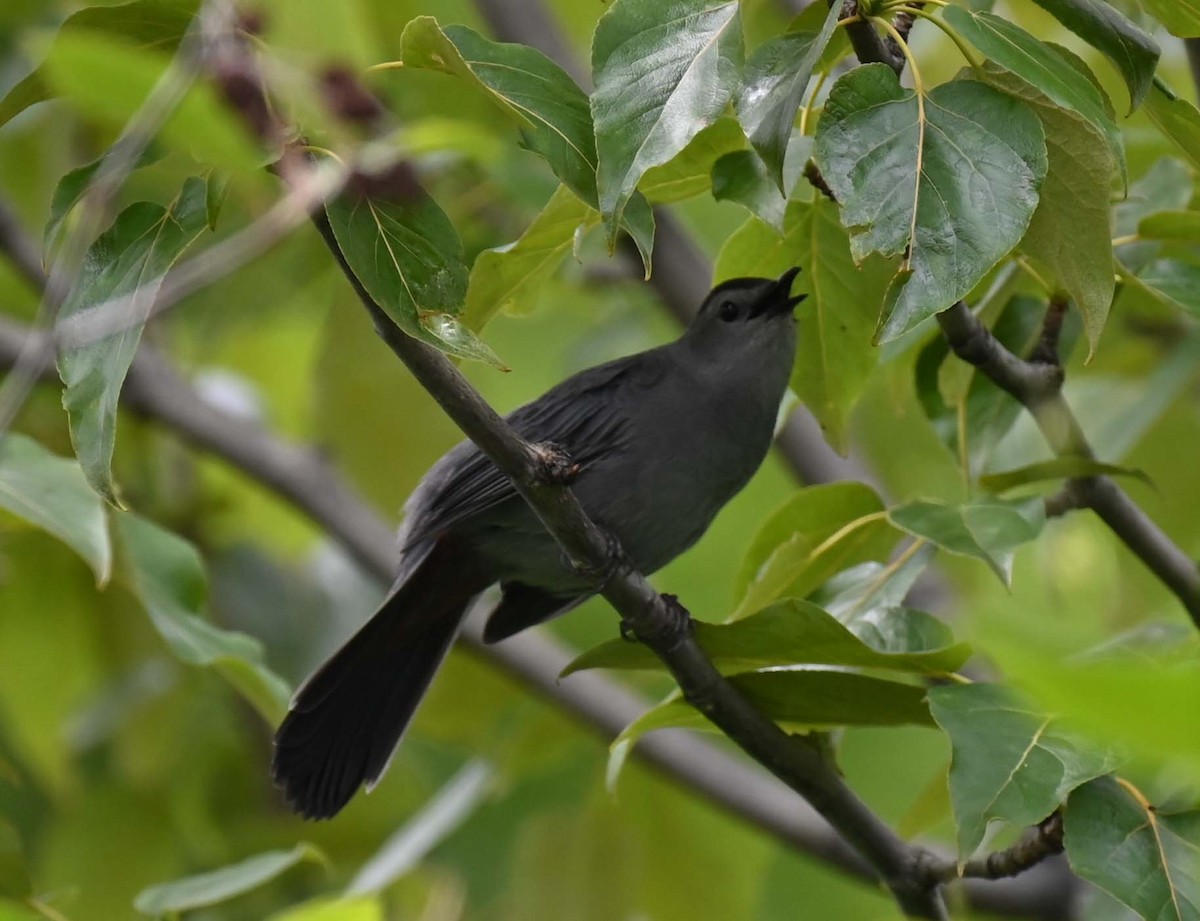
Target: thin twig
[1040, 842]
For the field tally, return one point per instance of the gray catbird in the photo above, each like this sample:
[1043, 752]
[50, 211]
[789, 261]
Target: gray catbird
[662, 440]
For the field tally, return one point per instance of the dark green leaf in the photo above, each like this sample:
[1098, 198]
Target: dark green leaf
[1181, 17]
[129, 260]
[407, 255]
[1178, 119]
[951, 183]
[1010, 762]
[796, 632]
[773, 90]
[818, 532]
[689, 173]
[1056, 469]
[149, 24]
[223, 884]
[986, 530]
[1145, 858]
[1171, 225]
[662, 74]
[803, 699]
[51, 493]
[167, 576]
[742, 177]
[1134, 53]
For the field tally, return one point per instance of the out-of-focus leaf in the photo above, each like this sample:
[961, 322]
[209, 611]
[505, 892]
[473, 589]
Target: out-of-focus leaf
[797, 632]
[689, 172]
[834, 355]
[1173, 282]
[1057, 468]
[129, 261]
[223, 884]
[406, 253]
[1178, 119]
[1145, 858]
[662, 73]
[1181, 17]
[167, 576]
[507, 277]
[803, 699]
[550, 108]
[438, 819]
[343, 909]
[949, 181]
[1171, 225]
[50, 492]
[148, 24]
[1069, 232]
[773, 89]
[1009, 762]
[1165, 186]
[818, 532]
[1131, 50]
[109, 80]
[987, 530]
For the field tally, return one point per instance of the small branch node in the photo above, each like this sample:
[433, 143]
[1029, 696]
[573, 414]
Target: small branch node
[551, 465]
[813, 174]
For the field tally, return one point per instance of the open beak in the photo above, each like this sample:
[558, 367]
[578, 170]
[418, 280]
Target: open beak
[779, 297]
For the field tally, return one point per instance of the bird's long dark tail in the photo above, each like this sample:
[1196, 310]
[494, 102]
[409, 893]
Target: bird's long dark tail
[347, 718]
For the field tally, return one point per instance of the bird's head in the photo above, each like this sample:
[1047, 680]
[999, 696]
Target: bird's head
[748, 320]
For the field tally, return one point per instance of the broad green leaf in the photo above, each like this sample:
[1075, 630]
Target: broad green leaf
[109, 80]
[1149, 860]
[167, 576]
[221, 885]
[1131, 50]
[797, 632]
[1171, 225]
[1178, 119]
[128, 261]
[988, 530]
[51, 493]
[550, 108]
[337, 909]
[856, 592]
[741, 176]
[803, 699]
[507, 277]
[1044, 68]
[1069, 232]
[662, 73]
[834, 355]
[1165, 186]
[1173, 282]
[405, 252]
[1057, 468]
[689, 173]
[1181, 17]
[148, 24]
[1009, 761]
[773, 90]
[820, 531]
[949, 181]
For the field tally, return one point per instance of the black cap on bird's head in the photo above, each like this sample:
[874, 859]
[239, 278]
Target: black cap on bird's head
[741, 299]
[747, 321]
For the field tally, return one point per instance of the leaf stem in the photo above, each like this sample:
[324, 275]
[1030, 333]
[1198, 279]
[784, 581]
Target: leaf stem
[963, 48]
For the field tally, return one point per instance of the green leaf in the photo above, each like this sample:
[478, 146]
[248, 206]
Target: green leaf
[1069, 232]
[1165, 185]
[148, 24]
[1181, 17]
[51, 493]
[818, 532]
[988, 530]
[406, 253]
[1145, 858]
[802, 699]
[1057, 468]
[167, 576]
[1171, 225]
[1132, 51]
[1009, 761]
[223, 884]
[950, 183]
[773, 90]
[742, 177]
[336, 909]
[107, 79]
[1178, 119]
[552, 111]
[1173, 282]
[662, 73]
[797, 632]
[1044, 68]
[129, 260]
[689, 173]
[508, 277]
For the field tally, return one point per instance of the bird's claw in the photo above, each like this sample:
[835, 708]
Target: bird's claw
[675, 627]
[554, 464]
[615, 563]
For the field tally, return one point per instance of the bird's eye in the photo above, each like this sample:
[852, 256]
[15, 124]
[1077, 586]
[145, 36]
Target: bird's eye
[728, 311]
